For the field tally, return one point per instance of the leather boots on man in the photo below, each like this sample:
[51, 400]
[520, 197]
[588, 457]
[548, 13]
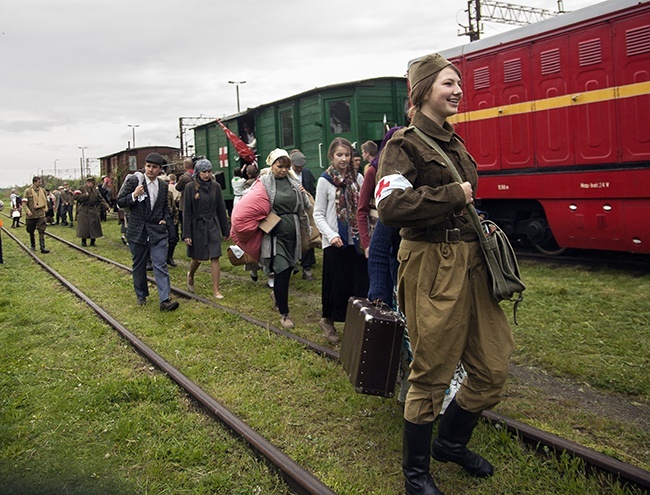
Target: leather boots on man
[42, 243]
[454, 432]
[415, 463]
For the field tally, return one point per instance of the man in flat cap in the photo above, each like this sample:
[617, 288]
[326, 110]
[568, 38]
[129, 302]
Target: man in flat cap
[147, 229]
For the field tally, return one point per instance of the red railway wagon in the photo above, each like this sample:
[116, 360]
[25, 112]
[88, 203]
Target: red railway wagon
[557, 116]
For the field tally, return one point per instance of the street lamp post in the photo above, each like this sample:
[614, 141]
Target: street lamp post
[133, 126]
[83, 159]
[237, 83]
[55, 166]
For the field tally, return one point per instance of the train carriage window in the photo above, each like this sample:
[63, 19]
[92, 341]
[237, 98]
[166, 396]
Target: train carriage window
[340, 120]
[286, 126]
[133, 163]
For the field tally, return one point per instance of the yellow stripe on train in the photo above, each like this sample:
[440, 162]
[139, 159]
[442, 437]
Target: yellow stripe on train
[596, 96]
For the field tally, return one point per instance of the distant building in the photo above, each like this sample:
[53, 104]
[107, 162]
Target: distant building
[119, 165]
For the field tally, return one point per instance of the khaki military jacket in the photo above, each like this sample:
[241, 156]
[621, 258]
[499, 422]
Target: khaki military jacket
[32, 211]
[431, 205]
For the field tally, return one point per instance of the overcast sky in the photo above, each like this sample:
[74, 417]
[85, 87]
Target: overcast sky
[76, 73]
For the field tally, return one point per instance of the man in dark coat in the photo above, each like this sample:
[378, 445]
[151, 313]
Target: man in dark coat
[146, 197]
[67, 200]
[184, 180]
[298, 161]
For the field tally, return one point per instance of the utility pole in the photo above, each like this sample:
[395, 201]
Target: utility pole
[505, 13]
[83, 159]
[185, 123]
[237, 83]
[133, 126]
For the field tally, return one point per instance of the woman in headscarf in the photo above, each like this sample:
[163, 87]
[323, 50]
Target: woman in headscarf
[282, 247]
[345, 271]
[205, 222]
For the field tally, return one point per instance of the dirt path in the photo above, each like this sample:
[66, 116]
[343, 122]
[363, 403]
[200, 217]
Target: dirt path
[582, 396]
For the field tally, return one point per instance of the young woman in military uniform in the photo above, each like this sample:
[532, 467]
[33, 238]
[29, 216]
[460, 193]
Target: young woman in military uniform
[443, 282]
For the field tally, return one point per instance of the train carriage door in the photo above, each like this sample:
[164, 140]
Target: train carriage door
[482, 118]
[592, 92]
[339, 122]
[553, 132]
[632, 73]
[515, 116]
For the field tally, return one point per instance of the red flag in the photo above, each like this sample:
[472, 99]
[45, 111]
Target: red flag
[247, 154]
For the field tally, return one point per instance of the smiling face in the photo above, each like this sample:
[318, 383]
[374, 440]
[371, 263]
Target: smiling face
[444, 97]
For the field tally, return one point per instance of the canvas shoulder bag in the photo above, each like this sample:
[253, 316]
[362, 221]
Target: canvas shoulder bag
[505, 278]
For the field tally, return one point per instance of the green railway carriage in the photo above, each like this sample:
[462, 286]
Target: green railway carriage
[358, 111]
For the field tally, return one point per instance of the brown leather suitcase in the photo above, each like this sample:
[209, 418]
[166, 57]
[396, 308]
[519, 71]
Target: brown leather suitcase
[371, 346]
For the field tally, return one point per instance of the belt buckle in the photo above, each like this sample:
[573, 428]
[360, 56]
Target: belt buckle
[452, 236]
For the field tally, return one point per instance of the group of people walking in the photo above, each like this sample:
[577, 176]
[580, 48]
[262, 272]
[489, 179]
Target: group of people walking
[404, 228]
[41, 207]
[420, 240]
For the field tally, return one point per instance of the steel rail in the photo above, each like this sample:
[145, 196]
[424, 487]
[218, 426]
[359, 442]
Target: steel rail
[621, 470]
[319, 349]
[296, 477]
[625, 473]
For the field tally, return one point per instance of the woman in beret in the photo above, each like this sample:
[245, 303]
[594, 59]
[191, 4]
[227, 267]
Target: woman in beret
[205, 223]
[442, 280]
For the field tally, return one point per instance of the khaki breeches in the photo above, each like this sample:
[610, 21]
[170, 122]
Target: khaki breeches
[451, 316]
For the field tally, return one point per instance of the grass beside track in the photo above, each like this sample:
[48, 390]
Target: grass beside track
[82, 413]
[296, 399]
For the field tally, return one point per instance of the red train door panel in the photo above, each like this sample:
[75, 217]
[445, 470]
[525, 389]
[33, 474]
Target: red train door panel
[483, 133]
[632, 76]
[553, 132]
[593, 113]
[515, 116]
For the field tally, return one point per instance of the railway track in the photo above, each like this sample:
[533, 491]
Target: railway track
[296, 477]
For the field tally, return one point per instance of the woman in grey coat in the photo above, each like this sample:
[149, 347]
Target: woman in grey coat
[90, 204]
[205, 223]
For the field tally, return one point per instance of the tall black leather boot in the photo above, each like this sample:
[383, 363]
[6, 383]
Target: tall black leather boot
[32, 241]
[454, 432]
[42, 243]
[415, 464]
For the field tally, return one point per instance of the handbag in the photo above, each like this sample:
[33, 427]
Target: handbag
[238, 257]
[500, 258]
